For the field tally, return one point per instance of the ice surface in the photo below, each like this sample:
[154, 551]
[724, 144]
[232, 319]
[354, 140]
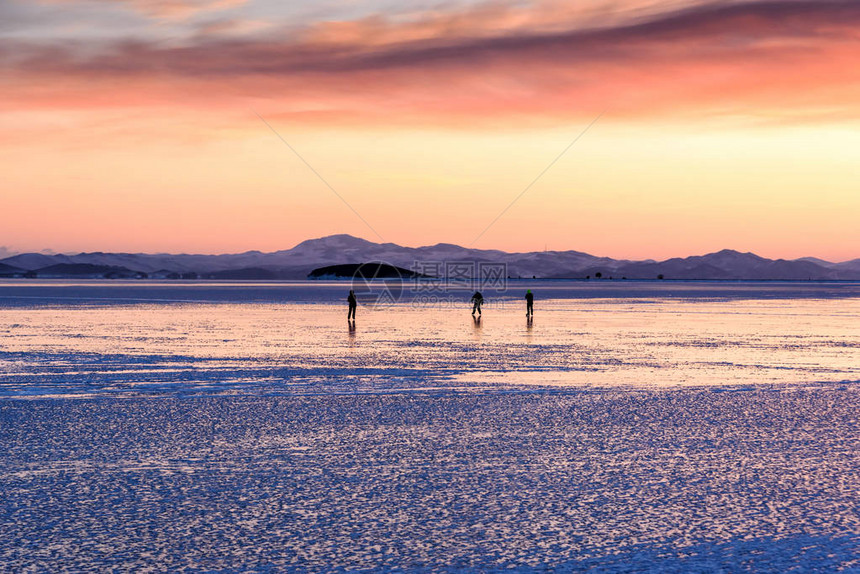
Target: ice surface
[683, 427]
[277, 339]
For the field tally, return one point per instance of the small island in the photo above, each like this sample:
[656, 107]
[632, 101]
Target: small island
[368, 271]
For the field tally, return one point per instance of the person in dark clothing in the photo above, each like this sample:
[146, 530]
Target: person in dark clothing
[352, 305]
[477, 301]
[530, 303]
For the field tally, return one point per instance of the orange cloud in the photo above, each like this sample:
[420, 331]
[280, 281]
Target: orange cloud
[774, 60]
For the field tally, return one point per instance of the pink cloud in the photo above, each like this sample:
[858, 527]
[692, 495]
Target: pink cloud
[788, 59]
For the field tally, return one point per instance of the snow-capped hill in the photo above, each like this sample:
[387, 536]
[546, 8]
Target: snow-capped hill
[297, 262]
[30, 261]
[339, 241]
[849, 266]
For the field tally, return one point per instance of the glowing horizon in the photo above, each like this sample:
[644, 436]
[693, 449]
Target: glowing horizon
[131, 126]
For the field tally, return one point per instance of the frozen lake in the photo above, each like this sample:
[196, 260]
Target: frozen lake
[245, 426]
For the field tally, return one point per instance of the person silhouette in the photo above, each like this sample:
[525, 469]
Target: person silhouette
[477, 301]
[350, 315]
[530, 303]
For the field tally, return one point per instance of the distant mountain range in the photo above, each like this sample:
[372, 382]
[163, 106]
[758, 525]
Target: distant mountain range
[302, 260]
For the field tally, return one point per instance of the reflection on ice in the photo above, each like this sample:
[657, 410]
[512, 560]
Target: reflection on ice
[213, 348]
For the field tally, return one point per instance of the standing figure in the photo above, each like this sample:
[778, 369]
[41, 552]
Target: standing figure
[530, 303]
[477, 301]
[350, 316]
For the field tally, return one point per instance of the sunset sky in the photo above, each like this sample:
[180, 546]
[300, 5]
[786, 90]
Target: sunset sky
[132, 125]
